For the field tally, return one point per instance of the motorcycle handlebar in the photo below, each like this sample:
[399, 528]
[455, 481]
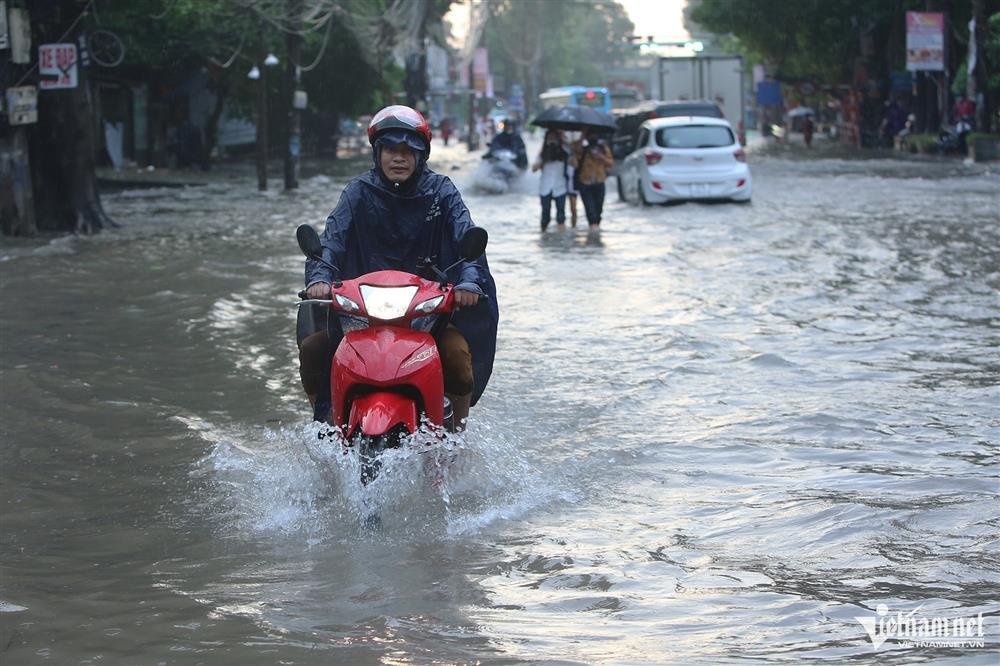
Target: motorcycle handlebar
[304, 298]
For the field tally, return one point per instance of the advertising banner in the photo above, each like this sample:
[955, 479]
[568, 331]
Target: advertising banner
[480, 70]
[437, 67]
[925, 41]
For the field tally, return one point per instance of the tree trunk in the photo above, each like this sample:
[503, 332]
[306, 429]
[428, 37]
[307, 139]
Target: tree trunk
[212, 126]
[977, 77]
[17, 208]
[63, 147]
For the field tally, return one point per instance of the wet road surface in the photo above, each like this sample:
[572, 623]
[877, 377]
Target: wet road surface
[714, 433]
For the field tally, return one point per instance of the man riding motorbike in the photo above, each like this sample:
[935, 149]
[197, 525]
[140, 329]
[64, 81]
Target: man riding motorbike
[400, 215]
[510, 140]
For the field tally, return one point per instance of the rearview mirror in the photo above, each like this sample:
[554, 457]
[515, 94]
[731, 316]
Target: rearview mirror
[309, 242]
[473, 243]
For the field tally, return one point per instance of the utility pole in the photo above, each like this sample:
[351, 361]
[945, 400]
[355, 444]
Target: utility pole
[17, 203]
[976, 86]
[473, 135]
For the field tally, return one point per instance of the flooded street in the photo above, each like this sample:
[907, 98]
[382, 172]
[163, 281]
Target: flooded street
[714, 433]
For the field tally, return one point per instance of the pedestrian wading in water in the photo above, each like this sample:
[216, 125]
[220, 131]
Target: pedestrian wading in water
[553, 162]
[593, 157]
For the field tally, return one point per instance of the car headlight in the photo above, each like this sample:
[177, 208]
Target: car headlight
[387, 303]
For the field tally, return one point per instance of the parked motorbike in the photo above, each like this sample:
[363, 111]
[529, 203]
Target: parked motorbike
[499, 170]
[952, 139]
[386, 377]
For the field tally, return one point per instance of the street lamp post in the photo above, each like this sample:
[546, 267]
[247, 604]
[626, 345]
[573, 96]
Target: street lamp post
[261, 123]
[259, 74]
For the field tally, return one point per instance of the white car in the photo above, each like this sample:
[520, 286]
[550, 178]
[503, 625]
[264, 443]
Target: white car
[689, 157]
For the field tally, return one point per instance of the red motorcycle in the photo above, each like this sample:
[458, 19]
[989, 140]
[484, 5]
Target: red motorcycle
[386, 377]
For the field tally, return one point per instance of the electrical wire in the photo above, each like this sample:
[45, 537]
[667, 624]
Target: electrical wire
[322, 50]
[232, 58]
[68, 30]
[166, 10]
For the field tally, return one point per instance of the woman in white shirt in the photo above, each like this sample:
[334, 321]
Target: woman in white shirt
[552, 162]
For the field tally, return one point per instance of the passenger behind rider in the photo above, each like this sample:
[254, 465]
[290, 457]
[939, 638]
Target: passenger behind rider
[400, 215]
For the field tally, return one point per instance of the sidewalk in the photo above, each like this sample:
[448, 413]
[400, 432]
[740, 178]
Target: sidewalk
[444, 160]
[229, 171]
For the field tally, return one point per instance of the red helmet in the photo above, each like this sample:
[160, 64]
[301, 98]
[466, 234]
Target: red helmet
[399, 117]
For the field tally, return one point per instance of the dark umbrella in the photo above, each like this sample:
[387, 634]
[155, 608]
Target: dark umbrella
[575, 118]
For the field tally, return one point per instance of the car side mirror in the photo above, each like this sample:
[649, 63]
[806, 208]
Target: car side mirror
[309, 242]
[473, 243]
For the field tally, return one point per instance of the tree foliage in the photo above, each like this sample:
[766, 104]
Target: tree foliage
[544, 44]
[347, 47]
[815, 39]
[821, 40]
[168, 34]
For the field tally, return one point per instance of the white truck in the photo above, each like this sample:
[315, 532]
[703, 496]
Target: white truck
[715, 78]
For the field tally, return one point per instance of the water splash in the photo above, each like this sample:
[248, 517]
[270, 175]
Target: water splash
[304, 480]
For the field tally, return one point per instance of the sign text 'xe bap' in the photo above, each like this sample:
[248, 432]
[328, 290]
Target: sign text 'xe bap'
[57, 66]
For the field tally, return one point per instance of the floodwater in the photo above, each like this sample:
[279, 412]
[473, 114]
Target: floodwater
[715, 433]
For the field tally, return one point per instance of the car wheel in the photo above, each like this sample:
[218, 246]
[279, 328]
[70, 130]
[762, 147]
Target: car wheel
[642, 192]
[621, 189]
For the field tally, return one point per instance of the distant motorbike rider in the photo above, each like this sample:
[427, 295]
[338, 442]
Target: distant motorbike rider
[509, 139]
[400, 215]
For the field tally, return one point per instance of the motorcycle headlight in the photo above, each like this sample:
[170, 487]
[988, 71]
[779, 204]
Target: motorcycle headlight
[429, 305]
[387, 303]
[346, 304]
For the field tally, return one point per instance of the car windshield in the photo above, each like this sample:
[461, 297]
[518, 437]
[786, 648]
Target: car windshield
[695, 136]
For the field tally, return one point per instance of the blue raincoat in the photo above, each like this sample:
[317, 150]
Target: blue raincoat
[376, 227]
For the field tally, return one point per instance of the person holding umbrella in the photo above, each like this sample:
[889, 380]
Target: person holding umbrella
[552, 162]
[593, 159]
[592, 152]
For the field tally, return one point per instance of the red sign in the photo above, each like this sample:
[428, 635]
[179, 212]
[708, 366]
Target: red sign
[57, 66]
[925, 41]
[480, 69]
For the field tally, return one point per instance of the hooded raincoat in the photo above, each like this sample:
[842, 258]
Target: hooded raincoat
[378, 226]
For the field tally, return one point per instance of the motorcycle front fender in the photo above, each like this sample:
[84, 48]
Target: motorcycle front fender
[377, 413]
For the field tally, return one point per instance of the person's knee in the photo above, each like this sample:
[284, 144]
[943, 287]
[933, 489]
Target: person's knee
[456, 362]
[314, 354]
[458, 378]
